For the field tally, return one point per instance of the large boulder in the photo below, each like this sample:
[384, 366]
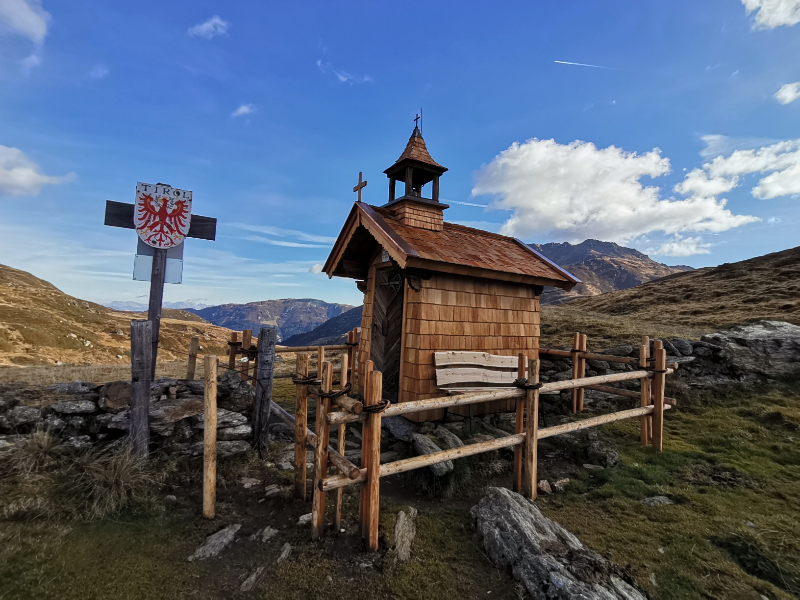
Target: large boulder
[769, 348]
[425, 445]
[546, 558]
[234, 394]
[115, 396]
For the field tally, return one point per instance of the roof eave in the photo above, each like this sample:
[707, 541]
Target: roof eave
[482, 273]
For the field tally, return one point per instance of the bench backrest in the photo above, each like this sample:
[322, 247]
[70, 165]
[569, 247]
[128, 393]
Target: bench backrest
[459, 370]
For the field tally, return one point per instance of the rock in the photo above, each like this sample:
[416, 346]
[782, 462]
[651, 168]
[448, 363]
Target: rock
[671, 350]
[264, 535]
[240, 432]
[561, 484]
[165, 413]
[7, 442]
[78, 441]
[769, 348]
[598, 365]
[7, 402]
[233, 393]
[684, 347]
[253, 578]
[75, 407]
[562, 376]
[405, 530]
[54, 423]
[74, 387]
[304, 519]
[448, 438]
[281, 432]
[544, 486]
[658, 501]
[599, 453]
[400, 427]
[23, 415]
[285, 552]
[225, 418]
[249, 482]
[589, 467]
[549, 561]
[225, 449]
[118, 421]
[702, 351]
[622, 350]
[117, 332]
[424, 445]
[115, 396]
[216, 543]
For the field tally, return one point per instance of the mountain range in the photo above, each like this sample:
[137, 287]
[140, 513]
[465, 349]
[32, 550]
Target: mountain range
[141, 306]
[291, 316]
[602, 267]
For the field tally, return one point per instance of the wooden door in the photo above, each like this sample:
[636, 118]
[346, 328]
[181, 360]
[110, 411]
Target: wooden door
[387, 328]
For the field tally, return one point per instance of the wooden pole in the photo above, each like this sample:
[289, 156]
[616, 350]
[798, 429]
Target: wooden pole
[374, 461]
[519, 426]
[141, 378]
[333, 348]
[658, 395]
[576, 345]
[340, 446]
[247, 342]
[644, 422]
[194, 346]
[261, 408]
[156, 299]
[210, 436]
[233, 351]
[531, 432]
[363, 505]
[300, 428]
[320, 358]
[582, 371]
[321, 455]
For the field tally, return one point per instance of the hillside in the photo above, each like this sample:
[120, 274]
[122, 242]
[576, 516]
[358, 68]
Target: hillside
[766, 287]
[291, 316]
[330, 332]
[602, 267]
[39, 324]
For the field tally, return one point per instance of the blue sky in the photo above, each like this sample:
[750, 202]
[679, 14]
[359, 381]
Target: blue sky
[268, 111]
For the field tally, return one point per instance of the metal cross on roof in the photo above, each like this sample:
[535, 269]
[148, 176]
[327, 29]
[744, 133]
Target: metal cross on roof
[416, 120]
[361, 185]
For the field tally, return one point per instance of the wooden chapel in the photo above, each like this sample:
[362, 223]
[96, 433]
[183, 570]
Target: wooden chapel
[430, 285]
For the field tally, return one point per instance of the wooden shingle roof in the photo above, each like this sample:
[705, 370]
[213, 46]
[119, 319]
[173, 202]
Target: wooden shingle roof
[455, 249]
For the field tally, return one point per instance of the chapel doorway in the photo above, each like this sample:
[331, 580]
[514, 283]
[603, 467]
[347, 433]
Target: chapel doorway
[387, 329]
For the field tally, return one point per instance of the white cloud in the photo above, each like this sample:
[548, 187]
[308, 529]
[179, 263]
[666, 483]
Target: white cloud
[718, 145]
[780, 160]
[343, 76]
[29, 62]
[20, 176]
[773, 13]
[99, 71]
[263, 240]
[26, 18]
[283, 232]
[244, 109]
[210, 29]
[578, 191]
[316, 269]
[788, 93]
[774, 220]
[681, 246]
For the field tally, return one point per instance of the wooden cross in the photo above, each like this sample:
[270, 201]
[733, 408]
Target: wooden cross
[120, 214]
[361, 185]
[416, 120]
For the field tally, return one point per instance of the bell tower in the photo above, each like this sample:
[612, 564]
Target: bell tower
[415, 168]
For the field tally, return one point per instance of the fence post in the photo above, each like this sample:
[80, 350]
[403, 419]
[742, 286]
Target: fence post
[363, 505]
[374, 461]
[209, 435]
[266, 362]
[247, 342]
[644, 422]
[321, 454]
[194, 346]
[300, 425]
[233, 350]
[519, 426]
[576, 345]
[532, 431]
[658, 395]
[141, 378]
[340, 446]
[582, 372]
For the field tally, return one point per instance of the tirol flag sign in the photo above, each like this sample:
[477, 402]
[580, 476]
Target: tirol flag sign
[162, 214]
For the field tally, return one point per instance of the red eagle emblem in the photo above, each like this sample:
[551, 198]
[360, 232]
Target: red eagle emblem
[162, 215]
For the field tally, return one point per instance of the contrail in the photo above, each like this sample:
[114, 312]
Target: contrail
[561, 62]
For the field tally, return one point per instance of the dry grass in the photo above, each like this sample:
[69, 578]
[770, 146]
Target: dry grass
[41, 478]
[766, 287]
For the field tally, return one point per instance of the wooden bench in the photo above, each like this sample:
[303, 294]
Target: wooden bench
[458, 372]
